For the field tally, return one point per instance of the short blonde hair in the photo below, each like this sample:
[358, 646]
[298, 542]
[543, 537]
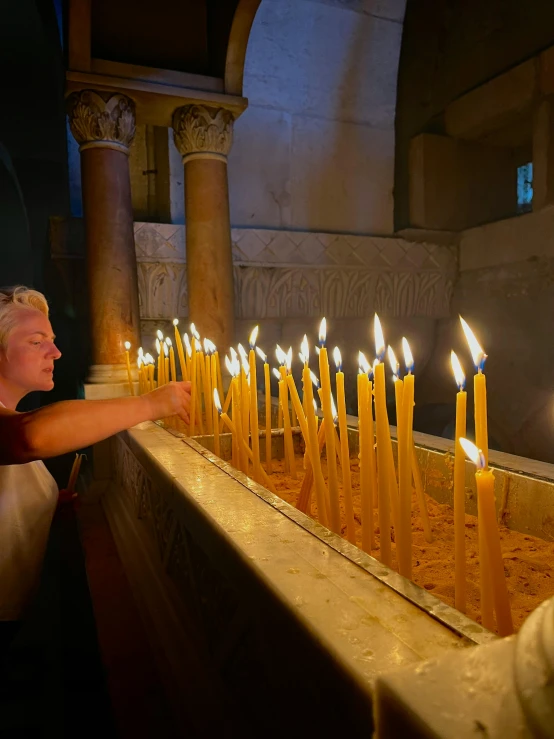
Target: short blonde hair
[14, 299]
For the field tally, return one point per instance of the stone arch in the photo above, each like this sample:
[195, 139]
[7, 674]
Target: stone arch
[237, 44]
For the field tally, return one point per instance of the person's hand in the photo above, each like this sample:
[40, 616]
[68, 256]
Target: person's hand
[172, 399]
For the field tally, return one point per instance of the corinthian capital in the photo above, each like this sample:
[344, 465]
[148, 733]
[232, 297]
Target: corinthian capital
[101, 119]
[201, 132]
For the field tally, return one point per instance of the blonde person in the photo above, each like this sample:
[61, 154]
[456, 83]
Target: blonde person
[28, 493]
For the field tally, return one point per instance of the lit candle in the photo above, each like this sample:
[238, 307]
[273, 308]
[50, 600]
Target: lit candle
[254, 403]
[199, 383]
[368, 471]
[234, 441]
[405, 442]
[459, 488]
[128, 361]
[150, 371]
[325, 395]
[188, 355]
[171, 359]
[293, 421]
[315, 450]
[192, 411]
[345, 450]
[166, 363]
[140, 362]
[180, 350]
[490, 541]
[245, 448]
[480, 392]
[215, 410]
[267, 381]
[383, 441]
[208, 389]
[290, 461]
[159, 349]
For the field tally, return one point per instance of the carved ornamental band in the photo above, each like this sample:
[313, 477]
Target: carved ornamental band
[201, 132]
[101, 119]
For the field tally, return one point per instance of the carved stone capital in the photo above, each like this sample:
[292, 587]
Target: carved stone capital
[202, 132]
[101, 119]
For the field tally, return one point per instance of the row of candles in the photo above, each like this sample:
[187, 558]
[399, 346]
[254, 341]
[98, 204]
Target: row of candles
[382, 484]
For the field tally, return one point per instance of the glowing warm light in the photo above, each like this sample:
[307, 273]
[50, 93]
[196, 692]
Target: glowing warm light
[314, 379]
[242, 351]
[127, 345]
[317, 350]
[253, 337]
[459, 375]
[188, 347]
[233, 354]
[334, 409]
[305, 349]
[245, 366]
[197, 345]
[206, 346]
[261, 354]
[322, 332]
[281, 356]
[393, 361]
[474, 454]
[140, 352]
[168, 340]
[475, 348]
[139, 362]
[408, 356]
[315, 406]
[288, 359]
[363, 364]
[217, 402]
[158, 346]
[338, 359]
[302, 358]
[175, 321]
[166, 350]
[160, 335]
[276, 373]
[379, 338]
[229, 366]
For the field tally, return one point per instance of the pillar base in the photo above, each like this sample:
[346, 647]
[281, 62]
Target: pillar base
[110, 373]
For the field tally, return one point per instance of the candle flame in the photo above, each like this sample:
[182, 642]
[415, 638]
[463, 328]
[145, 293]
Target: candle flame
[233, 354]
[302, 358]
[193, 331]
[393, 361]
[276, 373]
[207, 343]
[474, 454]
[168, 341]
[217, 402]
[289, 359]
[305, 349]
[175, 321]
[139, 362]
[317, 350]
[158, 346]
[242, 351]
[198, 345]
[166, 350]
[315, 406]
[408, 356]
[253, 337]
[338, 359]
[262, 355]
[459, 375]
[314, 379]
[379, 338]
[479, 356]
[229, 366]
[140, 352]
[159, 334]
[363, 364]
[322, 332]
[127, 345]
[188, 347]
[281, 356]
[245, 366]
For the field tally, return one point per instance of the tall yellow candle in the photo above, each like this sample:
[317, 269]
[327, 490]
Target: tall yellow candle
[326, 402]
[405, 442]
[345, 450]
[208, 389]
[459, 488]
[366, 454]
[383, 436]
[188, 355]
[128, 361]
[287, 431]
[199, 384]
[267, 382]
[487, 522]
[192, 412]
[315, 455]
[254, 403]
[218, 369]
[173, 374]
[166, 364]
[215, 410]
[237, 420]
[180, 350]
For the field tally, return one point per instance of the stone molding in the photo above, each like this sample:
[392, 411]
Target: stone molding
[101, 120]
[290, 274]
[203, 132]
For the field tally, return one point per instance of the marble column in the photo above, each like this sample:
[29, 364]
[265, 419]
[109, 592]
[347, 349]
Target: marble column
[103, 123]
[203, 136]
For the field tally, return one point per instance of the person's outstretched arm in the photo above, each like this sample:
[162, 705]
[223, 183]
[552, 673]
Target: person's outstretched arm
[74, 424]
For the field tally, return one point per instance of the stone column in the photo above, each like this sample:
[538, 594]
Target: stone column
[103, 124]
[203, 137]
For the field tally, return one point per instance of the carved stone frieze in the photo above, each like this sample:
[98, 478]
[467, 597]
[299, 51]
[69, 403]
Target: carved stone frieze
[101, 119]
[201, 131]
